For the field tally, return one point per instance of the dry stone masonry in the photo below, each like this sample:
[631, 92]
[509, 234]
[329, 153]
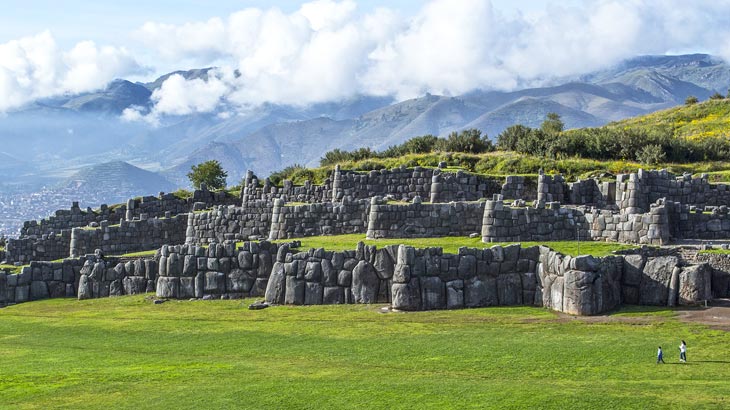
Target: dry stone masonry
[198, 256]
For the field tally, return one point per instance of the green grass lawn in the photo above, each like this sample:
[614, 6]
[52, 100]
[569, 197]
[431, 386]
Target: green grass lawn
[126, 353]
[451, 244]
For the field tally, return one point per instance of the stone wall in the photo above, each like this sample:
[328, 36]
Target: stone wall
[105, 277]
[553, 222]
[84, 277]
[150, 206]
[46, 247]
[419, 220]
[689, 222]
[636, 191]
[551, 188]
[319, 277]
[463, 186]
[252, 220]
[519, 187]
[253, 190]
[220, 271]
[129, 236]
[592, 192]
[426, 279]
[328, 218]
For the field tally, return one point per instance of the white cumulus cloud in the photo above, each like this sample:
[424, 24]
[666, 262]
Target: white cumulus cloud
[33, 67]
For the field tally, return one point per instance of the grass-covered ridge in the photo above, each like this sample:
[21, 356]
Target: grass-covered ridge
[127, 353]
[697, 121]
[451, 244]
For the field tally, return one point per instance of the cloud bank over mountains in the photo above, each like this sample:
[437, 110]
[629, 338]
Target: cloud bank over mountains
[328, 50]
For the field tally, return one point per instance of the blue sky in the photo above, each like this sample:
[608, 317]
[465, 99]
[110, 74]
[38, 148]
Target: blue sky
[299, 52]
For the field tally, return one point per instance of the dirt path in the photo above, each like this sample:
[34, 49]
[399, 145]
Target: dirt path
[716, 316]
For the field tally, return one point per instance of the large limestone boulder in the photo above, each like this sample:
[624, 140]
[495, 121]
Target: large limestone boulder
[695, 284]
[215, 283]
[167, 287]
[509, 289]
[134, 285]
[407, 296]
[481, 291]
[85, 289]
[294, 293]
[433, 293]
[365, 283]
[654, 286]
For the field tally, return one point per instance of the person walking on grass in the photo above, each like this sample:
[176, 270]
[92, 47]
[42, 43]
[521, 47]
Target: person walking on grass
[683, 352]
[659, 356]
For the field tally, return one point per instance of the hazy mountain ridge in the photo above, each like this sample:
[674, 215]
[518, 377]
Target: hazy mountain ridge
[65, 131]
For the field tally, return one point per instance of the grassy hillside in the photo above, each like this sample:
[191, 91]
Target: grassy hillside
[127, 353]
[710, 118]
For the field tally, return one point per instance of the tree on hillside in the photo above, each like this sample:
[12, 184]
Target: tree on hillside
[470, 141]
[552, 124]
[717, 96]
[210, 173]
[509, 138]
[691, 100]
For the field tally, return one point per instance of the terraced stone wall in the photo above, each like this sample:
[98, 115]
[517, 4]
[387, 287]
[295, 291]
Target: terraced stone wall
[635, 192]
[47, 247]
[419, 220]
[328, 218]
[553, 222]
[253, 219]
[137, 208]
[129, 236]
[220, 271]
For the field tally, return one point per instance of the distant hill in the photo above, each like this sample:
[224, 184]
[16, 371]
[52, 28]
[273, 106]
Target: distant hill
[118, 178]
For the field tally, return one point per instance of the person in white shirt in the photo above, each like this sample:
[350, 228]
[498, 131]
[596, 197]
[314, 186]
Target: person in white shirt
[683, 352]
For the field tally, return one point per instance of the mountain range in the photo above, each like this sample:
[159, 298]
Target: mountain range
[56, 137]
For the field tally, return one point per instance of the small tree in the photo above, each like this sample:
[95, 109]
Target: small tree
[553, 124]
[210, 173]
[691, 100]
[509, 138]
[717, 96]
[651, 155]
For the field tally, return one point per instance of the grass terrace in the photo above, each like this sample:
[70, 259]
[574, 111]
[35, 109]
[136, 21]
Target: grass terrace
[128, 353]
[451, 244]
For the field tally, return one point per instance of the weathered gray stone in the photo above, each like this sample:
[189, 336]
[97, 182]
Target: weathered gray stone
[329, 274]
[407, 296]
[365, 283]
[294, 291]
[200, 285]
[215, 283]
[167, 287]
[509, 289]
[654, 286]
[633, 269]
[333, 295]
[239, 281]
[433, 293]
[384, 266]
[455, 294]
[134, 285]
[344, 278]
[276, 287]
[480, 292]
[38, 290]
[695, 284]
[313, 272]
[187, 288]
[467, 266]
[313, 293]
[85, 290]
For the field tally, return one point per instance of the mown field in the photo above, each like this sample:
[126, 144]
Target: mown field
[127, 353]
